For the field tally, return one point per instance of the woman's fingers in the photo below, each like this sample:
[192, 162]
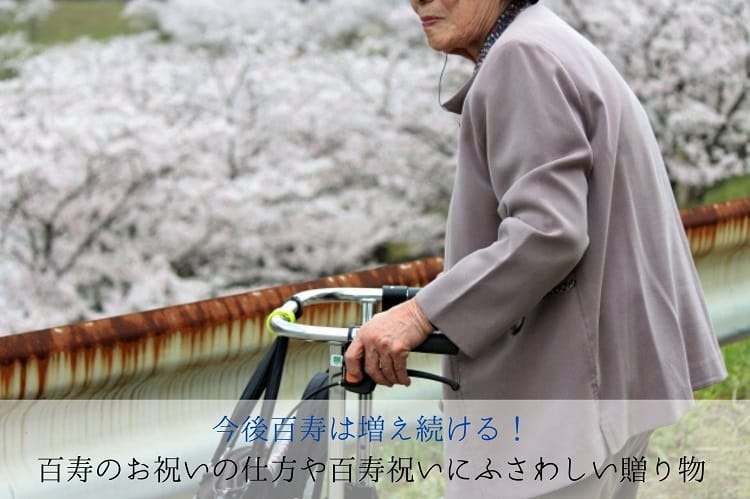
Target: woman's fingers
[353, 359]
[383, 343]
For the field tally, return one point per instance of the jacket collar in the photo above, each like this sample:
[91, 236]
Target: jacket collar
[456, 103]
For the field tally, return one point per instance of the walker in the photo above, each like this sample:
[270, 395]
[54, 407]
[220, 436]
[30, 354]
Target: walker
[324, 396]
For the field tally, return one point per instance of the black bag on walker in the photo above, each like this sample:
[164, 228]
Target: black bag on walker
[268, 469]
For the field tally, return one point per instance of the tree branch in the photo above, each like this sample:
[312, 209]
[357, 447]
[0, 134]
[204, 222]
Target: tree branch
[108, 220]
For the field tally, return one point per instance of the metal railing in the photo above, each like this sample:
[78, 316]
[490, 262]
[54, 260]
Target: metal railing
[209, 349]
[155, 353]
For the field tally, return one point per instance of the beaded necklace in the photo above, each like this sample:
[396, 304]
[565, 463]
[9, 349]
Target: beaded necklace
[514, 8]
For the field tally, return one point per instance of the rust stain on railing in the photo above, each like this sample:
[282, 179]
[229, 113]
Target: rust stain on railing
[719, 238]
[718, 227]
[186, 351]
[94, 358]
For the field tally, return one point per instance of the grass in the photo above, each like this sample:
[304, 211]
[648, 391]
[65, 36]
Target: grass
[715, 433]
[97, 19]
[427, 453]
[737, 384]
[730, 189]
[737, 355]
[713, 436]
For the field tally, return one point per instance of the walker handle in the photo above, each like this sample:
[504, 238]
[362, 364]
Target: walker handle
[283, 320]
[438, 343]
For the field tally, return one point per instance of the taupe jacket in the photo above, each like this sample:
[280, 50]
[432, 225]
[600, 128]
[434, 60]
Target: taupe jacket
[568, 273]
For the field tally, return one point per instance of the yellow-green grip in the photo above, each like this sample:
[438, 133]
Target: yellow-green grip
[280, 312]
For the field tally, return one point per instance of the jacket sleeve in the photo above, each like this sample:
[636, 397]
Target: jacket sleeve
[525, 119]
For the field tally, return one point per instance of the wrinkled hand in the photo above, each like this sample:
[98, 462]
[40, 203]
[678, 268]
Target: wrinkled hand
[384, 343]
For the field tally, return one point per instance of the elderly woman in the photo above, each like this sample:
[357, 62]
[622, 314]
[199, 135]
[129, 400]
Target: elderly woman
[567, 271]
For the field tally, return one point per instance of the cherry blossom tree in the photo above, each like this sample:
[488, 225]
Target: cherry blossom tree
[33, 10]
[7, 8]
[240, 144]
[31, 13]
[213, 157]
[13, 45]
[689, 63]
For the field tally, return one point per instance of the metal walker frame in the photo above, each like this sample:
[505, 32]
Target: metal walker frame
[283, 322]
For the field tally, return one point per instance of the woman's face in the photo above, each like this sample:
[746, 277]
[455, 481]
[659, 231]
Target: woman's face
[458, 26]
